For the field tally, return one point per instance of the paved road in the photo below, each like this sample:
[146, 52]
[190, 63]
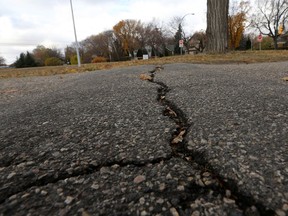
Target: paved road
[191, 140]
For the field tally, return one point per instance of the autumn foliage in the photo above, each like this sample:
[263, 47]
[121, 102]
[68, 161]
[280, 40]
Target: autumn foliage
[128, 32]
[53, 61]
[99, 59]
[236, 23]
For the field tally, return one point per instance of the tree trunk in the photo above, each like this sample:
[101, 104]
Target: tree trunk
[217, 26]
[275, 43]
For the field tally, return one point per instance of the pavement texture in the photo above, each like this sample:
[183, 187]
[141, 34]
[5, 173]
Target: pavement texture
[180, 139]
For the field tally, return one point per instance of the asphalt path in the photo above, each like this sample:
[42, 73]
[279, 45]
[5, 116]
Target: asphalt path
[186, 140]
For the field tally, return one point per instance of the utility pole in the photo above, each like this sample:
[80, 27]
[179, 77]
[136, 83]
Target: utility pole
[76, 41]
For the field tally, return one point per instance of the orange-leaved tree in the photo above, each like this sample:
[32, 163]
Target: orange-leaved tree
[128, 33]
[236, 23]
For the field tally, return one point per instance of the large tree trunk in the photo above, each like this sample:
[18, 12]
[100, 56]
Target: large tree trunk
[217, 26]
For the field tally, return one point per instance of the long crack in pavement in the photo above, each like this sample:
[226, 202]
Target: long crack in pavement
[178, 144]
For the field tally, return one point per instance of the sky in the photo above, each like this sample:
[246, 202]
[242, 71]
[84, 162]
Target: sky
[24, 24]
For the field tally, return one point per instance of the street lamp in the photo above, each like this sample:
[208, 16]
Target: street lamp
[77, 45]
[181, 48]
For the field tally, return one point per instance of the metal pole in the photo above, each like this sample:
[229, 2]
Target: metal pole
[77, 45]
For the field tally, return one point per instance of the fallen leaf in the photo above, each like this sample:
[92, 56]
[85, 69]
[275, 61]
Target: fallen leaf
[145, 77]
[179, 137]
[171, 112]
[159, 68]
[285, 78]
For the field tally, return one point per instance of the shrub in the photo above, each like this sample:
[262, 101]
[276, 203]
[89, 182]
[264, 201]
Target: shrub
[99, 59]
[53, 61]
[74, 60]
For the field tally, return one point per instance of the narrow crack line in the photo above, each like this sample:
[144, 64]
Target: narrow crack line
[180, 149]
[53, 178]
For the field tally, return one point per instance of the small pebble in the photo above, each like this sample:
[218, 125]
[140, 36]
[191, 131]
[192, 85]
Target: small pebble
[195, 213]
[279, 212]
[285, 207]
[13, 197]
[162, 186]
[95, 186]
[11, 175]
[142, 200]
[160, 201]
[138, 179]
[228, 193]
[168, 176]
[180, 188]
[174, 212]
[68, 200]
[43, 192]
[25, 195]
[228, 201]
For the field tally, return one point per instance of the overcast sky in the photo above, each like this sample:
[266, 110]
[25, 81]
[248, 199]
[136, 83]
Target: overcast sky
[24, 24]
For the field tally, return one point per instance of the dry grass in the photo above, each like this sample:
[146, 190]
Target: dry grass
[232, 57]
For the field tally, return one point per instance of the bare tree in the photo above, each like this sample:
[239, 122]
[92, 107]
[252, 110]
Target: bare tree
[198, 41]
[153, 36]
[177, 24]
[217, 25]
[271, 15]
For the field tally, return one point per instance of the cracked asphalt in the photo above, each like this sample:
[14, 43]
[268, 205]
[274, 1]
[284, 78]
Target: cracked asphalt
[100, 143]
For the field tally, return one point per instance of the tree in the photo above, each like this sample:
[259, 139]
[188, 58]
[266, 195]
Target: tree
[236, 22]
[2, 61]
[53, 61]
[177, 37]
[20, 62]
[217, 25]
[248, 43]
[69, 52]
[128, 33]
[74, 60]
[271, 15]
[198, 41]
[29, 60]
[25, 60]
[41, 53]
[97, 45]
[151, 36]
[177, 24]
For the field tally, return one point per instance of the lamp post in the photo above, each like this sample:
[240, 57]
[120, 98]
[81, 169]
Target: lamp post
[77, 45]
[181, 48]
